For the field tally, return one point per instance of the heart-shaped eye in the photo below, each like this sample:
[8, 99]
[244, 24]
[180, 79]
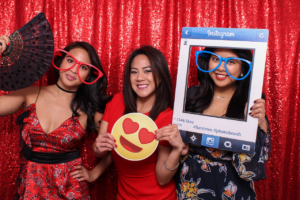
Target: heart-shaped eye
[129, 126]
[145, 136]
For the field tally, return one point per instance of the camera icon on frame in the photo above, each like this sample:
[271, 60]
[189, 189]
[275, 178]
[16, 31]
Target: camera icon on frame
[210, 141]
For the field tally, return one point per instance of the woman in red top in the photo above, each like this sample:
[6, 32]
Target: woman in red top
[147, 90]
[54, 122]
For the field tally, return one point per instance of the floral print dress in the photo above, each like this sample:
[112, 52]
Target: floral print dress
[208, 173]
[50, 181]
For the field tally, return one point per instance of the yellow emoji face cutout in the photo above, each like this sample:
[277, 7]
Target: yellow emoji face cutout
[134, 134]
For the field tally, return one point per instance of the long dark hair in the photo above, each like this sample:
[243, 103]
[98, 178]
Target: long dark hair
[88, 98]
[204, 94]
[160, 71]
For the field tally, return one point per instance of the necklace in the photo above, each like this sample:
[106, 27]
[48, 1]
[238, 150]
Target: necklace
[65, 90]
[220, 97]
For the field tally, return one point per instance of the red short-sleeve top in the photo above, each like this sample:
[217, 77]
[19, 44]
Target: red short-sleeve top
[137, 179]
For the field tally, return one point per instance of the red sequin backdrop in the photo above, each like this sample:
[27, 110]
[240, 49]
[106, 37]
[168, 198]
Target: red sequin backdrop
[115, 28]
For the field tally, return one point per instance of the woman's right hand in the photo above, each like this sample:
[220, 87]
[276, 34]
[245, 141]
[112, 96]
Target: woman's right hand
[4, 40]
[104, 142]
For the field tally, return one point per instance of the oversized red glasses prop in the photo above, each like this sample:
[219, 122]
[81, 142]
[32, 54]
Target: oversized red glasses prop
[80, 66]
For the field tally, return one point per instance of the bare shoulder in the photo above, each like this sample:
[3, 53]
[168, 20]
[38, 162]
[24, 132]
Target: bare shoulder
[31, 93]
[27, 93]
[48, 89]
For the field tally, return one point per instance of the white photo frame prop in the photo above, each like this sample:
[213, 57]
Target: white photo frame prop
[219, 132]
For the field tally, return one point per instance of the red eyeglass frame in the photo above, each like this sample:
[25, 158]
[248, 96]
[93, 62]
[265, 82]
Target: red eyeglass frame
[97, 72]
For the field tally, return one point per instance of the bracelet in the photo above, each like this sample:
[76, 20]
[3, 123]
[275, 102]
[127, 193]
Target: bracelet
[172, 168]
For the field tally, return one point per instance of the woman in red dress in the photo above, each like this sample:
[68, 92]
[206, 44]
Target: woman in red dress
[147, 90]
[55, 120]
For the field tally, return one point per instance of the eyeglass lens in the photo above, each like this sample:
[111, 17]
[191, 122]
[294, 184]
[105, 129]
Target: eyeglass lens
[214, 61]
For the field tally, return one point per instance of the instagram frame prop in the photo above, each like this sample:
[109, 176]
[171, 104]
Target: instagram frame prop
[211, 131]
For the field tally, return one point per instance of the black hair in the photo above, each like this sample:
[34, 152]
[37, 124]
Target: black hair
[160, 71]
[203, 97]
[88, 98]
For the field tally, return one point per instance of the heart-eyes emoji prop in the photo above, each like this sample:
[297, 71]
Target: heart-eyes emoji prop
[134, 135]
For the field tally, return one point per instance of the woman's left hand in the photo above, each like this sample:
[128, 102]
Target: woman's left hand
[82, 174]
[258, 111]
[171, 134]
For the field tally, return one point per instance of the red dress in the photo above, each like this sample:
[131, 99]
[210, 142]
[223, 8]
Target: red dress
[137, 179]
[51, 181]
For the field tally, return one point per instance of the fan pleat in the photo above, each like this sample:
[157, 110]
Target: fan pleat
[29, 56]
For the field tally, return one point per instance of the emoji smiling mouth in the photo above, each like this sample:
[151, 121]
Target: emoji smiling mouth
[129, 146]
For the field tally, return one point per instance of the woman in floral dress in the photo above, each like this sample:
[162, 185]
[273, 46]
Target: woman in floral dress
[55, 119]
[208, 173]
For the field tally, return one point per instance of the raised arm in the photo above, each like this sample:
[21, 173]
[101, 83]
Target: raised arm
[168, 157]
[104, 142]
[11, 103]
